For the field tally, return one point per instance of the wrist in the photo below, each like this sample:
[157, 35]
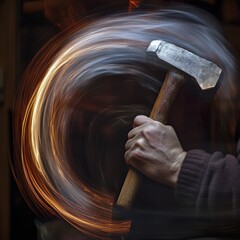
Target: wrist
[175, 169]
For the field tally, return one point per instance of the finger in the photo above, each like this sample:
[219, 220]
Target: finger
[135, 131]
[128, 144]
[135, 142]
[140, 119]
[127, 156]
[141, 122]
[134, 158]
[132, 155]
[138, 122]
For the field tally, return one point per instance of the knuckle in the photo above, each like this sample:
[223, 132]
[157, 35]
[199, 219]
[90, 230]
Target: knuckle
[136, 119]
[139, 143]
[136, 154]
[146, 132]
[169, 127]
[131, 157]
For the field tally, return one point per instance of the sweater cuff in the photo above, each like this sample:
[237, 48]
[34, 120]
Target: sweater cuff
[191, 175]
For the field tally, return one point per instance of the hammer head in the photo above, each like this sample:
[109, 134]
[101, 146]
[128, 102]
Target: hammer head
[205, 73]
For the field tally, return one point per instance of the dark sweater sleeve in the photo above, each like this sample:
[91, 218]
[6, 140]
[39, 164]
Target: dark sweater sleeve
[210, 184]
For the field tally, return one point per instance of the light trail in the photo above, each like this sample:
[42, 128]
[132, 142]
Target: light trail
[80, 78]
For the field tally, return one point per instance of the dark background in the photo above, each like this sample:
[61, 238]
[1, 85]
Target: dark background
[24, 27]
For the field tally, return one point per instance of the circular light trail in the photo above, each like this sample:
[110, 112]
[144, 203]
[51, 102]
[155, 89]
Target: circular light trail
[79, 78]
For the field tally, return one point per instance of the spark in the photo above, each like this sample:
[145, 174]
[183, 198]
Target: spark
[133, 4]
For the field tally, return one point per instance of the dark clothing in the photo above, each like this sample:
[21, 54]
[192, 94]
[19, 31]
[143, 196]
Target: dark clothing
[204, 205]
[211, 185]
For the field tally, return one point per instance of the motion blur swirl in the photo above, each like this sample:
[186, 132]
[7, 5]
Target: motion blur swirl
[76, 102]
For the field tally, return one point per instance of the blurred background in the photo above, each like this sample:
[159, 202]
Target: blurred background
[25, 25]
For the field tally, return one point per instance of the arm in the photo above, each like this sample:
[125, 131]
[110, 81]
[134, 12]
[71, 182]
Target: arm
[208, 183]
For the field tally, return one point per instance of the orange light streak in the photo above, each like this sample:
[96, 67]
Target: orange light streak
[67, 80]
[133, 4]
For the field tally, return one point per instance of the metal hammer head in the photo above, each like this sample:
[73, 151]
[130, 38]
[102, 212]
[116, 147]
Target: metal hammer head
[206, 73]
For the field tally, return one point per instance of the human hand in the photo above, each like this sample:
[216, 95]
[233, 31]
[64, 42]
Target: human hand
[154, 149]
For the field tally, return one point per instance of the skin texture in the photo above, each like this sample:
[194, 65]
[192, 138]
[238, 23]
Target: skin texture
[154, 149]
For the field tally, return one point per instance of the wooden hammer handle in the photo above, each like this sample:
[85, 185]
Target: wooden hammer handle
[160, 112]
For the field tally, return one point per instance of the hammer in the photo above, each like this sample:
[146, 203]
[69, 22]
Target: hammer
[182, 66]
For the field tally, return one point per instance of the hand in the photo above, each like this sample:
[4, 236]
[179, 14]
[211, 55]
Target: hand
[154, 149]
